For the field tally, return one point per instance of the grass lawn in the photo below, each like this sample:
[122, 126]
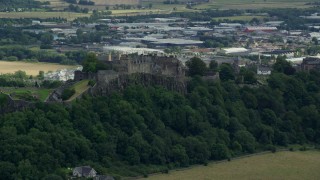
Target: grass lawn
[281, 165]
[26, 93]
[29, 67]
[79, 87]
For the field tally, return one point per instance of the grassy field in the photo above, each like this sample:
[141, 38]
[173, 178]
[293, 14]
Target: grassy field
[281, 165]
[79, 87]
[21, 93]
[43, 15]
[30, 68]
[159, 8]
[234, 4]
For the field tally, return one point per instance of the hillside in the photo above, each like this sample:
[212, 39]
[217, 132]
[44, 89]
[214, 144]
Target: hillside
[149, 129]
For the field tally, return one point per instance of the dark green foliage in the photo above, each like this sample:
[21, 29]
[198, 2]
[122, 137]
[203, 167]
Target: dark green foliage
[196, 67]
[92, 64]
[226, 72]
[247, 76]
[20, 3]
[143, 130]
[91, 83]
[283, 66]
[51, 84]
[213, 66]
[67, 93]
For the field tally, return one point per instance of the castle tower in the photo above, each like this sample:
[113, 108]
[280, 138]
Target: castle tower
[110, 57]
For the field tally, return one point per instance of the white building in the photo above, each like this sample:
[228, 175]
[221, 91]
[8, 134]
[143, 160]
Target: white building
[234, 50]
[263, 70]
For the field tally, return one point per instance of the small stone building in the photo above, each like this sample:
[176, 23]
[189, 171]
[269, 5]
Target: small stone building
[84, 171]
[310, 63]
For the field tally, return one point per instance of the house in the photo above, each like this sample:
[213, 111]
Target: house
[84, 171]
[263, 70]
[103, 177]
[310, 63]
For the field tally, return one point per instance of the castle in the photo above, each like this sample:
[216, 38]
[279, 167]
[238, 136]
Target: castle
[130, 64]
[310, 63]
[137, 69]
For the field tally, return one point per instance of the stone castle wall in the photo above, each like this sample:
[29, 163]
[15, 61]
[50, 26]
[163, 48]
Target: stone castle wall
[167, 66]
[107, 84]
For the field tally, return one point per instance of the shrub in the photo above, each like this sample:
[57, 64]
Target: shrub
[91, 83]
[67, 93]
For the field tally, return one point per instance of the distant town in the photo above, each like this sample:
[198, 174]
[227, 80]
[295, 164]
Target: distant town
[258, 42]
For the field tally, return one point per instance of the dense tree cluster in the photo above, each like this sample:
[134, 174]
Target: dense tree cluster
[148, 129]
[20, 3]
[19, 53]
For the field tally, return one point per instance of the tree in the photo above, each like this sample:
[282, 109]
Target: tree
[248, 76]
[213, 65]
[46, 38]
[90, 62]
[132, 156]
[26, 170]
[179, 154]
[315, 40]
[226, 72]
[246, 140]
[67, 93]
[41, 75]
[219, 151]
[20, 74]
[196, 67]
[7, 170]
[283, 66]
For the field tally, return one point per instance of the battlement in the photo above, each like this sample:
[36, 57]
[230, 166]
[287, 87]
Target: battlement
[160, 65]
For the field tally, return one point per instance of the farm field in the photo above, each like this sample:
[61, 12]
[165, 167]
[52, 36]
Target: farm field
[281, 165]
[43, 15]
[30, 68]
[234, 4]
[254, 4]
[159, 8]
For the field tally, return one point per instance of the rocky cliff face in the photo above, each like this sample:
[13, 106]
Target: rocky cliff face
[105, 86]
